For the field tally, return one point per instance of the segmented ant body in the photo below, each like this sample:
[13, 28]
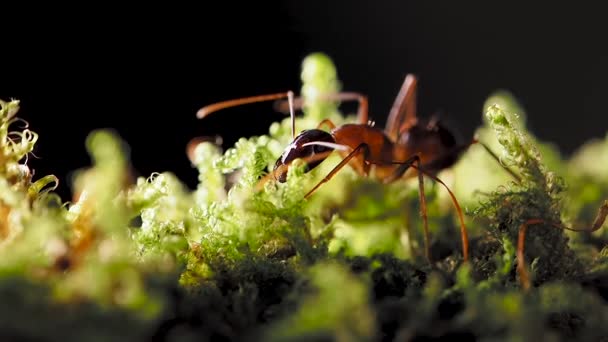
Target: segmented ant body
[404, 146]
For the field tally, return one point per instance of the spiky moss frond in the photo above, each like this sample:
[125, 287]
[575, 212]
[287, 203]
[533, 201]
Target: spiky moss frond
[167, 227]
[101, 254]
[537, 196]
[477, 173]
[41, 257]
[228, 262]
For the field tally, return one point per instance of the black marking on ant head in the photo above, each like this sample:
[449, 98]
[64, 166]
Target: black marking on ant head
[305, 147]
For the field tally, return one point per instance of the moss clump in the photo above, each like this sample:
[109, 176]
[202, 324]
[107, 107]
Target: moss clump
[148, 259]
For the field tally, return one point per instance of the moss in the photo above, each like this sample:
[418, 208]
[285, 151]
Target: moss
[149, 259]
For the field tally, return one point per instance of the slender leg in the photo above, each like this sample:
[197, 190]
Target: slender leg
[362, 112]
[463, 229]
[524, 276]
[403, 167]
[404, 108]
[361, 148]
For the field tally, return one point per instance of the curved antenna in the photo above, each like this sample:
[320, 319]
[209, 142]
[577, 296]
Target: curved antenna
[205, 111]
[293, 116]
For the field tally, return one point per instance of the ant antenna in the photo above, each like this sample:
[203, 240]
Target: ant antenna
[203, 112]
[293, 117]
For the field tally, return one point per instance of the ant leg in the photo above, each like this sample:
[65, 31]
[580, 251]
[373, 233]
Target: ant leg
[326, 122]
[362, 112]
[403, 111]
[524, 276]
[361, 148]
[463, 228]
[403, 167]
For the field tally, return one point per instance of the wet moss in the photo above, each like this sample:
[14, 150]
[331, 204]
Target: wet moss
[149, 260]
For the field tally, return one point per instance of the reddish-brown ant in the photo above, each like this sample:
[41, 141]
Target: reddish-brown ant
[405, 143]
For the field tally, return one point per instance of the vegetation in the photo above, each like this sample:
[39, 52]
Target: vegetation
[151, 260]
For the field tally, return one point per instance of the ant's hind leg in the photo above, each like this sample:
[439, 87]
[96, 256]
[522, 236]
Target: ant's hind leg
[403, 167]
[524, 276]
[463, 229]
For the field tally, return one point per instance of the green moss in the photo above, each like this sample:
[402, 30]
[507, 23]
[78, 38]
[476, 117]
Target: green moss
[149, 259]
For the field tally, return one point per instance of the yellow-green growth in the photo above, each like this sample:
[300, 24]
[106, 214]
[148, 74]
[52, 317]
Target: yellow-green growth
[319, 77]
[337, 309]
[537, 196]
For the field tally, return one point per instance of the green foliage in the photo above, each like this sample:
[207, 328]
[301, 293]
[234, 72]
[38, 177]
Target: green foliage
[536, 196]
[236, 258]
[336, 308]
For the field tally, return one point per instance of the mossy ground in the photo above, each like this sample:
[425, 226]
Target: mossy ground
[150, 259]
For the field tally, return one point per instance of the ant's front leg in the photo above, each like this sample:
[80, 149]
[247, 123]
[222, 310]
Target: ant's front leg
[362, 148]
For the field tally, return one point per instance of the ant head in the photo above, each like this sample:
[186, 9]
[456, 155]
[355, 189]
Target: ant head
[313, 146]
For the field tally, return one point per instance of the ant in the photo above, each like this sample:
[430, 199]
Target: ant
[405, 143]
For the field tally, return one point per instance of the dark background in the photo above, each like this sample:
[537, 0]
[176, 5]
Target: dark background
[145, 71]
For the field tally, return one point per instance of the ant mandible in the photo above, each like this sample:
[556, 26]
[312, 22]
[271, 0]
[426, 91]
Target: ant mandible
[405, 143]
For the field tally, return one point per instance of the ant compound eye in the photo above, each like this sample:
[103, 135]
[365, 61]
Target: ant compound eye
[319, 149]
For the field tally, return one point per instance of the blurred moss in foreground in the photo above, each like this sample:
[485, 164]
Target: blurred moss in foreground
[147, 259]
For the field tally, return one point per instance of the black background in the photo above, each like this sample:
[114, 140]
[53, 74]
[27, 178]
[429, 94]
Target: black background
[144, 71]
